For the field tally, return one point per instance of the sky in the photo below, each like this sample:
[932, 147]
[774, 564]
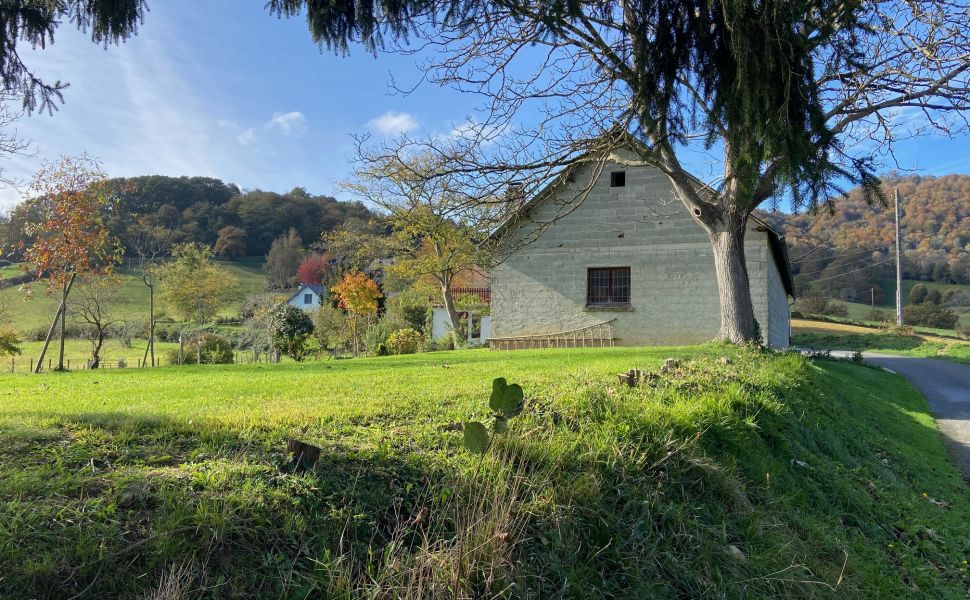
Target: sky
[223, 89]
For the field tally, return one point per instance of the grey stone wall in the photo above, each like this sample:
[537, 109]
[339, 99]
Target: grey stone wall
[779, 312]
[540, 287]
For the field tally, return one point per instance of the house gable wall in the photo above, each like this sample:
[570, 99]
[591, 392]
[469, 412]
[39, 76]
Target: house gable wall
[540, 287]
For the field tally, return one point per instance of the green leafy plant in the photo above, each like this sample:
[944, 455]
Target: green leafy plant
[405, 341]
[506, 402]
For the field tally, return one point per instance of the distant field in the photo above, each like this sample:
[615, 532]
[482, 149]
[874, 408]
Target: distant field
[78, 352]
[842, 336]
[38, 311]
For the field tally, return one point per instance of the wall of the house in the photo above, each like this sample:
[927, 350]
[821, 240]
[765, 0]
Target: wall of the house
[298, 300]
[779, 312]
[441, 326]
[540, 287]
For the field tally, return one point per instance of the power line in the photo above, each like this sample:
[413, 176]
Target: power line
[842, 255]
[842, 265]
[854, 271]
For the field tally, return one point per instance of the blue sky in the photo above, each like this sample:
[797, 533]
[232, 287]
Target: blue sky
[221, 88]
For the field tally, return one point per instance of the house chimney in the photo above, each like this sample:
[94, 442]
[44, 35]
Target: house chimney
[515, 191]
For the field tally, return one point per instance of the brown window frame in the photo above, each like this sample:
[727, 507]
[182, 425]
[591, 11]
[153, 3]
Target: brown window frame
[612, 274]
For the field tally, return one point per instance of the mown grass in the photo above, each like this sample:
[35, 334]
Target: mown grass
[765, 475]
[834, 336]
[37, 312]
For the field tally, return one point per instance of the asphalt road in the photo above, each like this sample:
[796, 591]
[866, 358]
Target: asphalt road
[946, 386]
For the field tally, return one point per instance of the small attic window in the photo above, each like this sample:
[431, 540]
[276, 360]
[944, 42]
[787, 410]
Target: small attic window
[618, 179]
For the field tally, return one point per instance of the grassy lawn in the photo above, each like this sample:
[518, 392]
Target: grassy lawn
[78, 352]
[764, 475]
[837, 336]
[39, 310]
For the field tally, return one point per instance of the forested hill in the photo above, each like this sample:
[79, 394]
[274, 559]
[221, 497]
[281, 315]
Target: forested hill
[843, 251]
[197, 209]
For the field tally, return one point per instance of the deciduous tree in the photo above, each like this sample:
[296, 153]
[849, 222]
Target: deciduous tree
[94, 309]
[231, 242]
[283, 260]
[314, 268]
[358, 294]
[70, 238]
[193, 285]
[794, 98]
[434, 226]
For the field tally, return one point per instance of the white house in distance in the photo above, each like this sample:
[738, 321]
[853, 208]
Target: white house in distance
[627, 266]
[308, 297]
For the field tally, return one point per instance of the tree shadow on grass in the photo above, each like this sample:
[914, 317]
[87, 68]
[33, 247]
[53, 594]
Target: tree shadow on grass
[104, 504]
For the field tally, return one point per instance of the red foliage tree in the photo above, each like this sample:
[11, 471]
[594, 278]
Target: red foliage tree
[314, 268]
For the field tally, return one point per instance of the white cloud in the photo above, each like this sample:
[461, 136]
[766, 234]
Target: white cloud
[246, 137]
[290, 123]
[392, 123]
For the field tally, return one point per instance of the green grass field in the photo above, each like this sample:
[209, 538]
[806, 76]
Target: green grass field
[836, 336]
[759, 476]
[39, 310]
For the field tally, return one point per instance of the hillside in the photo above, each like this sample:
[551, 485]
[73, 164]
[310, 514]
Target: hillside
[197, 209]
[767, 476]
[844, 252]
[29, 315]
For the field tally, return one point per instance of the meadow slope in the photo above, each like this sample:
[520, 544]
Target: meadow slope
[762, 475]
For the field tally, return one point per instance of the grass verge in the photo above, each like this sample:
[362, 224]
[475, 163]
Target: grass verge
[763, 475]
[835, 336]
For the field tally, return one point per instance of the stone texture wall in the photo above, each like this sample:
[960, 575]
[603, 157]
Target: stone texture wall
[779, 312]
[540, 287]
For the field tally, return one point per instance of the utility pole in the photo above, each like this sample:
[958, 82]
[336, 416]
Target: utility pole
[899, 268]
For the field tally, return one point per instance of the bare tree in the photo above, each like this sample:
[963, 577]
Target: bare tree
[793, 100]
[92, 309]
[151, 243]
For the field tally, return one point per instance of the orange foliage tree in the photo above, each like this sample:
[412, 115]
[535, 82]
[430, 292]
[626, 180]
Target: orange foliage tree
[358, 294]
[70, 238]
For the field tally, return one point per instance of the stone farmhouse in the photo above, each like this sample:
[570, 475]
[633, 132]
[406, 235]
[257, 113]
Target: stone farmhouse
[626, 266]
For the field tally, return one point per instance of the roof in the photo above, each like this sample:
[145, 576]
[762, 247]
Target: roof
[776, 239]
[316, 288]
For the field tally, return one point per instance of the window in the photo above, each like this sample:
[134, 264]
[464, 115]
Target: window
[307, 298]
[618, 179]
[608, 286]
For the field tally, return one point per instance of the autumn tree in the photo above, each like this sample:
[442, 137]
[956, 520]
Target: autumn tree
[435, 231]
[283, 260]
[793, 99]
[313, 268]
[357, 294]
[193, 285]
[357, 244]
[231, 242]
[94, 309]
[70, 238]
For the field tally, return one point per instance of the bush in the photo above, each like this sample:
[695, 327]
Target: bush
[928, 314]
[213, 350]
[405, 341]
[934, 297]
[290, 328]
[834, 308]
[376, 336]
[333, 328]
[879, 316]
[963, 329]
[9, 342]
[918, 294]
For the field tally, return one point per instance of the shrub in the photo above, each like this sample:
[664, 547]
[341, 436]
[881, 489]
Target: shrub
[879, 316]
[212, 349]
[375, 336]
[918, 294]
[290, 328]
[963, 329]
[405, 341]
[928, 314]
[9, 342]
[934, 297]
[333, 328]
[834, 308]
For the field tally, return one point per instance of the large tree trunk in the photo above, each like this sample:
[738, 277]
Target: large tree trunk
[453, 318]
[734, 290]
